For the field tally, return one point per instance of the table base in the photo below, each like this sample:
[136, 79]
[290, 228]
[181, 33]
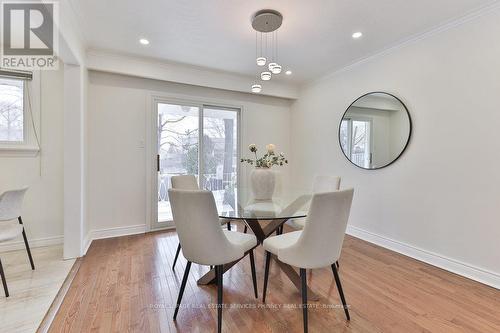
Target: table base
[262, 234]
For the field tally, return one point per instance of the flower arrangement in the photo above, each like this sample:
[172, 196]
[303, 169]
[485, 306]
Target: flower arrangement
[269, 159]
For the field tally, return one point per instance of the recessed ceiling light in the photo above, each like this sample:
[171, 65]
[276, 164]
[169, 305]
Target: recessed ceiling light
[288, 72]
[144, 41]
[357, 35]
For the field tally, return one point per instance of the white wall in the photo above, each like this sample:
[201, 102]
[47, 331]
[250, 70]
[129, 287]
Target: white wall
[117, 110]
[43, 204]
[440, 202]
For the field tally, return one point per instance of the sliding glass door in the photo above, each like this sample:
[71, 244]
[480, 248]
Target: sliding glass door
[200, 140]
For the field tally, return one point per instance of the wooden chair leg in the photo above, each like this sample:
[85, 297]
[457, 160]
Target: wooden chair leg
[219, 272]
[341, 292]
[176, 255]
[303, 279]
[4, 280]
[183, 286]
[254, 275]
[26, 244]
[245, 230]
[266, 275]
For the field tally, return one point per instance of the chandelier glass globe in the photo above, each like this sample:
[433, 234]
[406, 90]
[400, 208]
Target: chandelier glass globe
[265, 76]
[256, 88]
[276, 69]
[261, 61]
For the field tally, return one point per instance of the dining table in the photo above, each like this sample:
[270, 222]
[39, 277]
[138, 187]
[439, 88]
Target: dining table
[265, 218]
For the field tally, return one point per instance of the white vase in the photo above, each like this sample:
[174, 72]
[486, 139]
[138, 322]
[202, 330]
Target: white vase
[262, 183]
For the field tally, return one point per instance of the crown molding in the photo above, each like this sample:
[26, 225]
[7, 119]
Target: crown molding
[443, 27]
[107, 61]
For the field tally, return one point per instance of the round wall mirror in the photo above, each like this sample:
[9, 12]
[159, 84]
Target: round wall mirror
[375, 130]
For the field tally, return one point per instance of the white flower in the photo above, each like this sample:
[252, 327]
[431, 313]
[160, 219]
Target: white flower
[282, 154]
[270, 148]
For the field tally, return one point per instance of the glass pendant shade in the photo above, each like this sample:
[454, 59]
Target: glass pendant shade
[265, 76]
[261, 61]
[276, 69]
[271, 66]
[256, 88]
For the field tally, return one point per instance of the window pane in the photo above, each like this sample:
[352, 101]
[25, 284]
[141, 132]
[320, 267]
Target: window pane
[344, 135]
[177, 147]
[360, 153]
[220, 154]
[11, 110]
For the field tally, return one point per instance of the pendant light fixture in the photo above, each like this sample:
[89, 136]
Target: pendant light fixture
[266, 23]
[265, 76]
[261, 60]
[256, 88]
[276, 69]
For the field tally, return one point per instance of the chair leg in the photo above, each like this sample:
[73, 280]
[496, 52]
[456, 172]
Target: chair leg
[183, 286]
[245, 230]
[220, 271]
[266, 275]
[341, 292]
[303, 279]
[4, 280]
[176, 255]
[26, 244]
[254, 276]
[229, 225]
[337, 263]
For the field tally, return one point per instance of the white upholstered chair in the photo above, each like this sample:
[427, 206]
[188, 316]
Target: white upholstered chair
[322, 183]
[203, 240]
[318, 245]
[10, 209]
[189, 182]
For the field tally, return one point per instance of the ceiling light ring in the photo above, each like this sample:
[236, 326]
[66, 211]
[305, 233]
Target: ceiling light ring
[267, 20]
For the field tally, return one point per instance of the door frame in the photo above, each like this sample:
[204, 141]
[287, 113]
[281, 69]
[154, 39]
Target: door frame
[151, 178]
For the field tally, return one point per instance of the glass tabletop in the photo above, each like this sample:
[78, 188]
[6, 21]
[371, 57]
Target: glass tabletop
[292, 204]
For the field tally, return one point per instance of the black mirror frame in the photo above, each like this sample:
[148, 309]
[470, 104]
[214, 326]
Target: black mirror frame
[407, 141]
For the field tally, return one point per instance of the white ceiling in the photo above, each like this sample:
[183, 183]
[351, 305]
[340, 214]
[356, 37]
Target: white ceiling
[315, 36]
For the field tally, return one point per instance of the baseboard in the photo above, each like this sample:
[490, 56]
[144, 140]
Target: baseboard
[86, 242]
[58, 300]
[112, 232]
[477, 274]
[34, 243]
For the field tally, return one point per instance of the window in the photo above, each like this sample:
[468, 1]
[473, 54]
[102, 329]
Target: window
[19, 113]
[11, 110]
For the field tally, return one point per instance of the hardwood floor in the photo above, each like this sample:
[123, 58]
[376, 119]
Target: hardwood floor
[127, 284]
